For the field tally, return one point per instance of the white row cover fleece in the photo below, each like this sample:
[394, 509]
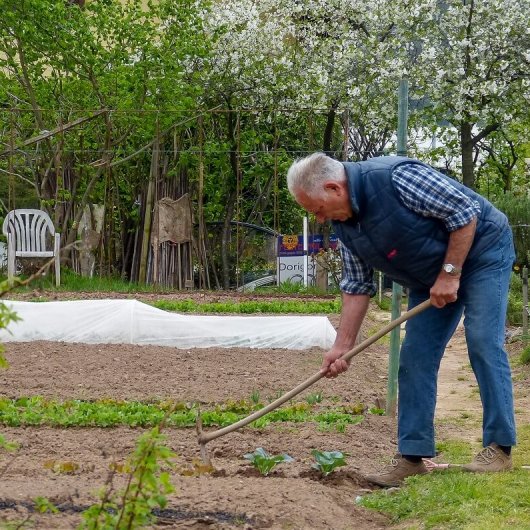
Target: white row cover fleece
[132, 322]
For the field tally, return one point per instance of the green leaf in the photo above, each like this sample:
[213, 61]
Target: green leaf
[43, 505]
[264, 462]
[327, 461]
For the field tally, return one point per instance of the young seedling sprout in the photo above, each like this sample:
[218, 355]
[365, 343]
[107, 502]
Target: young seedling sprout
[315, 398]
[327, 461]
[264, 462]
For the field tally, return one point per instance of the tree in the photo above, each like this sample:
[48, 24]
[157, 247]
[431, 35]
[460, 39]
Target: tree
[474, 68]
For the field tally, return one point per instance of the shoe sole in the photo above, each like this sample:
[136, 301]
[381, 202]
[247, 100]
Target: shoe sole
[468, 470]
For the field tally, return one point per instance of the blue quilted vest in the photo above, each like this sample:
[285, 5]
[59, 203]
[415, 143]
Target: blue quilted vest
[408, 247]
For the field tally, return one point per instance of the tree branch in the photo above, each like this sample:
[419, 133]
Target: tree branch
[487, 130]
[53, 132]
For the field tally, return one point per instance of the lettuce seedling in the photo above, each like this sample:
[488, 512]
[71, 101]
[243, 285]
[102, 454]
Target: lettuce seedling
[327, 461]
[264, 462]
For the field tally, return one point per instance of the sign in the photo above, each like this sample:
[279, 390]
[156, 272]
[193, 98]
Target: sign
[291, 256]
[291, 269]
[293, 245]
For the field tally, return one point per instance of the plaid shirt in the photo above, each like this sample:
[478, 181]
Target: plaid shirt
[425, 192]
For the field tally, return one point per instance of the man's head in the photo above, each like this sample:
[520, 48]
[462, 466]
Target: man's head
[318, 184]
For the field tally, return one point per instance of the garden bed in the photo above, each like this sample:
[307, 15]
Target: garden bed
[69, 465]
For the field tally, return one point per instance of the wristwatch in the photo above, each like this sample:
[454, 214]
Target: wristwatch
[451, 269]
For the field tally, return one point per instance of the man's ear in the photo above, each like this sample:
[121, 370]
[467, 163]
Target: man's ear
[333, 186]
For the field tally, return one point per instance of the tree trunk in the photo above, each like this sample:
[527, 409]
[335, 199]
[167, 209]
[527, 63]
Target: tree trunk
[232, 190]
[328, 132]
[202, 255]
[144, 253]
[466, 144]
[225, 239]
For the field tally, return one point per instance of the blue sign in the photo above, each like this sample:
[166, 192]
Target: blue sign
[293, 245]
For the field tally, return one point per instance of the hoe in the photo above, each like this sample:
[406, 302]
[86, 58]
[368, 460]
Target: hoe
[205, 437]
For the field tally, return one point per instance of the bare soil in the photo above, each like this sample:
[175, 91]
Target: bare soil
[293, 496]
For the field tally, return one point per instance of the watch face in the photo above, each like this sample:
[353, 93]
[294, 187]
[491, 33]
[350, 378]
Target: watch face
[451, 269]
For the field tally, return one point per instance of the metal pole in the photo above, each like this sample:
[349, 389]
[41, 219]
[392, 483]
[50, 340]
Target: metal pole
[397, 290]
[306, 261]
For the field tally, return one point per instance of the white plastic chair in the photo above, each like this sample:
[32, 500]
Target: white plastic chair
[26, 232]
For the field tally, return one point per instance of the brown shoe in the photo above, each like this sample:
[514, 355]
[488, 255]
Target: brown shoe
[398, 469]
[490, 459]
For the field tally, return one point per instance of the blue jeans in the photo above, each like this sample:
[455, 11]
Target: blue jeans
[482, 298]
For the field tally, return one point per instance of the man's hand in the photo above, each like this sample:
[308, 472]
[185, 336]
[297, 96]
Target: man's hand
[332, 365]
[354, 307]
[445, 290]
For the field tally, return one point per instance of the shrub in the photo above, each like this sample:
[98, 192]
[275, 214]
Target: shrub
[525, 355]
[514, 314]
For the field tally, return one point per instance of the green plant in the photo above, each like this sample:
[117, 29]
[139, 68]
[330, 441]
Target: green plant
[290, 287]
[277, 395]
[251, 306]
[37, 410]
[40, 505]
[264, 462]
[384, 303]
[355, 408]
[525, 355]
[43, 505]
[341, 427]
[338, 416]
[327, 461]
[315, 398]
[66, 468]
[146, 488]
[255, 397]
[6, 316]
[8, 446]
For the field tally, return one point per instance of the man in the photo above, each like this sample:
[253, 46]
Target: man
[444, 242]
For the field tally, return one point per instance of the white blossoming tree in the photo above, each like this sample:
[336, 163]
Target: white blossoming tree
[350, 56]
[475, 68]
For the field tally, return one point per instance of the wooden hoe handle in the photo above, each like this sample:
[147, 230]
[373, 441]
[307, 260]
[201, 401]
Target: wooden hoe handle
[205, 437]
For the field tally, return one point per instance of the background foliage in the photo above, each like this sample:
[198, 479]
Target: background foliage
[215, 99]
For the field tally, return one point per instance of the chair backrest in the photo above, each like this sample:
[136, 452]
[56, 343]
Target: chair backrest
[29, 229]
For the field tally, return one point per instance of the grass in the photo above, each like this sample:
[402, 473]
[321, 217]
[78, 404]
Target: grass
[465, 420]
[71, 282]
[452, 499]
[385, 303]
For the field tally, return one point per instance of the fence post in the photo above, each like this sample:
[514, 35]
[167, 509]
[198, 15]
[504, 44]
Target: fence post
[397, 291]
[525, 301]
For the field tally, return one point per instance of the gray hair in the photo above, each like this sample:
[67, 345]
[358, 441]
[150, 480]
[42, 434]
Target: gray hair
[309, 173]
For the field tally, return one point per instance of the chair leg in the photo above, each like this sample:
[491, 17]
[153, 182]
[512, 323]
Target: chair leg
[57, 271]
[10, 261]
[57, 249]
